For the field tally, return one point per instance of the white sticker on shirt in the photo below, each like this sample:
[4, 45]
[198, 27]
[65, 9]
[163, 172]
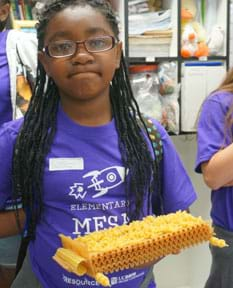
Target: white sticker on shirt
[63, 164]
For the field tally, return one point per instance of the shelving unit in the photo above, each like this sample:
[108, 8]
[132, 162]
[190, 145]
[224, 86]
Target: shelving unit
[172, 52]
[22, 16]
[21, 24]
[189, 103]
[222, 19]
[199, 78]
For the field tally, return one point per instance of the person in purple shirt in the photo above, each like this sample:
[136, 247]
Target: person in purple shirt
[5, 99]
[17, 51]
[18, 60]
[80, 160]
[5, 107]
[214, 160]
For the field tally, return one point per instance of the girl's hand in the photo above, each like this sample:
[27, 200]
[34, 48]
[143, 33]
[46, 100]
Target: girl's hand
[230, 184]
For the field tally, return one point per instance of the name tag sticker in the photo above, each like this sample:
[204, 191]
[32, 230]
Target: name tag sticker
[63, 164]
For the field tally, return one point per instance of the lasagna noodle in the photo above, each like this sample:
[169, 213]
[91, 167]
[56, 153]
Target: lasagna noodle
[133, 245]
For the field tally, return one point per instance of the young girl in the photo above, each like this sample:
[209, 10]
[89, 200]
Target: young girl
[81, 159]
[214, 160]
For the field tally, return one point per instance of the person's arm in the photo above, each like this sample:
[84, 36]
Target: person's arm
[8, 223]
[218, 171]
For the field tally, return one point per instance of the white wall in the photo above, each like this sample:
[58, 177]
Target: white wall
[191, 267]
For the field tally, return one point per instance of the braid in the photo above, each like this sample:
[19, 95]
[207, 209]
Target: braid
[135, 154]
[32, 146]
[39, 127]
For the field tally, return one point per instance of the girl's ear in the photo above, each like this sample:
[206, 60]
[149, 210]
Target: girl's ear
[43, 60]
[119, 52]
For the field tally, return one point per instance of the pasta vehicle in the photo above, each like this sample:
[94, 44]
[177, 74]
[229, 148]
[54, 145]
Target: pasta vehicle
[132, 245]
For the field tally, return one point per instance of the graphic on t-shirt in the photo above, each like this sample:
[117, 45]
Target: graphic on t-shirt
[77, 190]
[100, 181]
[106, 179]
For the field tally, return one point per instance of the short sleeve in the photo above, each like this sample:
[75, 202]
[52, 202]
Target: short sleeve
[211, 133]
[177, 190]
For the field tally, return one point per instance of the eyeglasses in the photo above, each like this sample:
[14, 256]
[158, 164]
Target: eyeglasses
[66, 48]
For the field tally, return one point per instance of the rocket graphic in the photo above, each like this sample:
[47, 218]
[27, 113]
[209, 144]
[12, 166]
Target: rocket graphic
[106, 179]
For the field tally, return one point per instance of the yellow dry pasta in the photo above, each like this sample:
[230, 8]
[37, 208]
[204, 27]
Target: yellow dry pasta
[133, 245]
[218, 242]
[71, 261]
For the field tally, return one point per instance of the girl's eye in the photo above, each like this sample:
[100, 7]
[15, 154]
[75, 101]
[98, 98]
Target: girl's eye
[62, 48]
[98, 44]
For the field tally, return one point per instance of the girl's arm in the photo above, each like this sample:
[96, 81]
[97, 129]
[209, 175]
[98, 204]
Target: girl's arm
[218, 171]
[8, 223]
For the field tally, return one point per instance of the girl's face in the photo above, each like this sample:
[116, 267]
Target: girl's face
[84, 75]
[4, 13]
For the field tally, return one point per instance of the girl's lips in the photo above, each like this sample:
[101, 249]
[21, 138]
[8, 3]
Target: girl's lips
[82, 72]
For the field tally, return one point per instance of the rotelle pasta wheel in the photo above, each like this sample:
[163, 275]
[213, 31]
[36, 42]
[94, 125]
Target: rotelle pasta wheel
[132, 245]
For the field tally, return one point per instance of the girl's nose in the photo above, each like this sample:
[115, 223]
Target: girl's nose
[81, 55]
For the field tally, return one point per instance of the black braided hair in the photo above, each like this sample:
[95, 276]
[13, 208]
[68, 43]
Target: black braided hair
[37, 133]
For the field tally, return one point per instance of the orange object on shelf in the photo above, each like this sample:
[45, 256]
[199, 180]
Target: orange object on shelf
[143, 68]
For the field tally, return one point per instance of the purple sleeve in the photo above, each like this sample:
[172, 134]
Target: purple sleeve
[7, 140]
[211, 132]
[177, 189]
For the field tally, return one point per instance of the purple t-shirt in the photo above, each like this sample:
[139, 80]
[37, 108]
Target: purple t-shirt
[84, 192]
[210, 139]
[5, 97]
